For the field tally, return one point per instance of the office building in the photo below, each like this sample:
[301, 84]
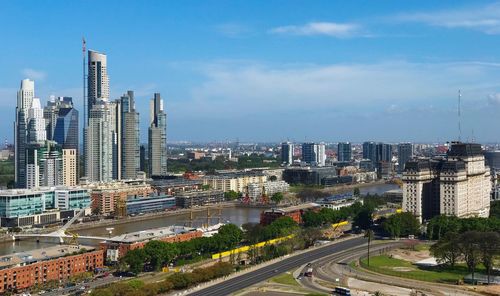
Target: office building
[128, 132]
[143, 160]
[344, 152]
[455, 185]
[405, 153]
[314, 154]
[150, 204]
[383, 152]
[25, 97]
[100, 143]
[287, 153]
[325, 176]
[370, 152]
[191, 199]
[44, 165]
[98, 81]
[157, 138]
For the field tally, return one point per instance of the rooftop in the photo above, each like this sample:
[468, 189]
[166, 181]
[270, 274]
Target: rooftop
[44, 254]
[155, 233]
[305, 206]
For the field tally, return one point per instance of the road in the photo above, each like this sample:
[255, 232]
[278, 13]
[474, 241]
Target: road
[69, 290]
[240, 282]
[336, 267]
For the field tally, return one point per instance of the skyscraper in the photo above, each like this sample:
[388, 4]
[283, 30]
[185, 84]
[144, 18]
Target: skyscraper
[405, 153]
[25, 97]
[65, 134]
[129, 136]
[370, 151]
[314, 154]
[157, 138]
[344, 151]
[99, 142]
[98, 81]
[287, 153]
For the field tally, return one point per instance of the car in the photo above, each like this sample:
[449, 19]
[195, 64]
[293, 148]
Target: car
[308, 264]
[275, 271]
[299, 277]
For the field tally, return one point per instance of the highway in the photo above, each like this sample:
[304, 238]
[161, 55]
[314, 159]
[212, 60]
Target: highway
[240, 282]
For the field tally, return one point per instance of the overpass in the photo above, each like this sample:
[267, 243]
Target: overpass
[60, 233]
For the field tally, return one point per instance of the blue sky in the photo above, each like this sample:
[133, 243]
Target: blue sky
[270, 70]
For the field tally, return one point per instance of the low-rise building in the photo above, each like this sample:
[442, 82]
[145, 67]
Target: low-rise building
[116, 247]
[58, 263]
[255, 191]
[156, 203]
[173, 186]
[190, 199]
[237, 181]
[337, 202]
[295, 212]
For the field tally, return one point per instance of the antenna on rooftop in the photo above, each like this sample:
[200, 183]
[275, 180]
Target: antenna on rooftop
[459, 118]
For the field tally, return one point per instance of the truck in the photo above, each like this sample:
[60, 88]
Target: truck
[309, 272]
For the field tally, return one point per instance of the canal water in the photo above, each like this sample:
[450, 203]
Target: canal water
[236, 215]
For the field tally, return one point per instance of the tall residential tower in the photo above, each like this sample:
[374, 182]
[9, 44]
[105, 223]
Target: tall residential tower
[157, 138]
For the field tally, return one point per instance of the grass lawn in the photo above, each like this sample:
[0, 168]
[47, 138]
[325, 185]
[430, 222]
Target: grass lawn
[422, 247]
[401, 268]
[285, 279]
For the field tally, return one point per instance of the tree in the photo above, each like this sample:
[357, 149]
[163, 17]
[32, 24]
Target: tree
[364, 219]
[277, 197]
[469, 246]
[369, 235]
[356, 192]
[135, 260]
[401, 224]
[229, 235]
[446, 250]
[488, 245]
[231, 195]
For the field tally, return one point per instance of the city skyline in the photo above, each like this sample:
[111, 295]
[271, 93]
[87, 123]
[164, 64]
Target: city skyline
[232, 75]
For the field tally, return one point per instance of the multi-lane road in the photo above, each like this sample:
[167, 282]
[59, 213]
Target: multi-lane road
[240, 282]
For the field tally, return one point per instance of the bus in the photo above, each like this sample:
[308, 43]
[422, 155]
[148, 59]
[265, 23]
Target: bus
[341, 291]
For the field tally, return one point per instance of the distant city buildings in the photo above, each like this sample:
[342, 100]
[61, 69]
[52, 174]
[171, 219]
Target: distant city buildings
[405, 153]
[314, 154]
[287, 153]
[157, 138]
[344, 152]
[457, 184]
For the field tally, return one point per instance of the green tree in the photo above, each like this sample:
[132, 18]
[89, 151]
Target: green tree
[135, 259]
[401, 224]
[489, 246]
[230, 235]
[363, 219]
[277, 197]
[469, 247]
[356, 192]
[446, 250]
[231, 195]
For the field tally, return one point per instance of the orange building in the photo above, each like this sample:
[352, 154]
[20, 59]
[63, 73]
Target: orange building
[116, 247]
[23, 270]
[110, 198]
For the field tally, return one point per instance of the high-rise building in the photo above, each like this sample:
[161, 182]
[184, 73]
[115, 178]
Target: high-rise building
[98, 81]
[383, 152]
[157, 138]
[70, 167]
[344, 151]
[455, 185]
[99, 143]
[128, 133]
[314, 154]
[143, 155]
[405, 153]
[36, 123]
[370, 151]
[287, 153]
[25, 97]
[44, 165]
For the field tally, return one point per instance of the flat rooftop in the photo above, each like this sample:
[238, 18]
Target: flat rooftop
[305, 206]
[47, 253]
[150, 234]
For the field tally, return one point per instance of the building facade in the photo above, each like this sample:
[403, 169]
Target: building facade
[234, 181]
[128, 131]
[456, 185]
[344, 151]
[287, 153]
[98, 80]
[157, 138]
[314, 154]
[405, 153]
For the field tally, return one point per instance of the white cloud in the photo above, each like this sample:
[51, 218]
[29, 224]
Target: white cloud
[34, 74]
[339, 30]
[494, 99]
[485, 19]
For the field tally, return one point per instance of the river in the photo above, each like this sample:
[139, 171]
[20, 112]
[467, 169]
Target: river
[236, 215]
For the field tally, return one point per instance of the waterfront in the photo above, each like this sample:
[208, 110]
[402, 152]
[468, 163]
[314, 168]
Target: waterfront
[237, 215]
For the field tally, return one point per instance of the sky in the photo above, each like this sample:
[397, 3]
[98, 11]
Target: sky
[270, 70]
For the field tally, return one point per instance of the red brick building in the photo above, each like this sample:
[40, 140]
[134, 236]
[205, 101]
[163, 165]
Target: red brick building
[23, 270]
[116, 247]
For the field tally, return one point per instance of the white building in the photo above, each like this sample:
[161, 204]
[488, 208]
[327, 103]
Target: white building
[255, 190]
[314, 154]
[457, 185]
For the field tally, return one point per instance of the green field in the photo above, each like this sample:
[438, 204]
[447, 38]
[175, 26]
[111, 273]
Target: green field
[285, 279]
[401, 268]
